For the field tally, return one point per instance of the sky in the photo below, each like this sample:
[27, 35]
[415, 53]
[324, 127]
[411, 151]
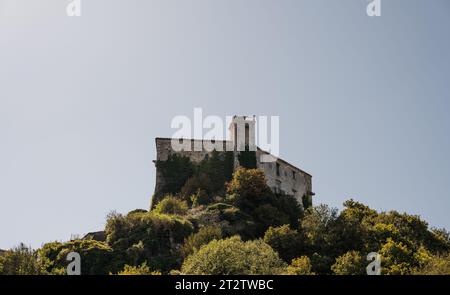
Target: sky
[363, 101]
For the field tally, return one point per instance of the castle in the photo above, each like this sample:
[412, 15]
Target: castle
[281, 176]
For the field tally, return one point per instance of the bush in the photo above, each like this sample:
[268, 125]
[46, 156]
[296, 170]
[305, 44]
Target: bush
[96, 257]
[249, 187]
[300, 266]
[202, 237]
[142, 269]
[397, 258]
[151, 237]
[267, 215]
[232, 256]
[249, 192]
[194, 184]
[172, 206]
[285, 241]
[20, 260]
[437, 265]
[351, 263]
[200, 198]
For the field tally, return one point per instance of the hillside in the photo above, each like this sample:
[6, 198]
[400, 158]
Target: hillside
[239, 226]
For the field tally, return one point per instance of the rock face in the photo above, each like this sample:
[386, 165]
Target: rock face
[281, 176]
[97, 236]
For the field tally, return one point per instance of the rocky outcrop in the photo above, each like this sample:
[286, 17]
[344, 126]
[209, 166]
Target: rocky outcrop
[96, 236]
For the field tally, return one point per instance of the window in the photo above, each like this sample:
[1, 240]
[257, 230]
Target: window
[278, 187]
[293, 175]
[278, 169]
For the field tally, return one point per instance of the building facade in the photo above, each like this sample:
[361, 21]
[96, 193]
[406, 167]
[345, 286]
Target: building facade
[281, 176]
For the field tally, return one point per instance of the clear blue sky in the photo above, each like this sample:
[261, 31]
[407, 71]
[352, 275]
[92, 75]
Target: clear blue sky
[363, 102]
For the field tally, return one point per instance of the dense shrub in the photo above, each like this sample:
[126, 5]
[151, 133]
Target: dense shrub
[249, 192]
[436, 265]
[232, 256]
[175, 171]
[21, 260]
[142, 269]
[351, 263]
[300, 266]
[96, 257]
[202, 237]
[200, 198]
[248, 187]
[172, 206]
[219, 167]
[286, 241]
[194, 184]
[148, 237]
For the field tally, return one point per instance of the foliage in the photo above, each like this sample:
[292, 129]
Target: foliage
[249, 192]
[436, 265]
[219, 167]
[175, 171]
[151, 237]
[232, 256]
[194, 184]
[397, 258]
[21, 260]
[96, 257]
[142, 269]
[247, 158]
[318, 226]
[351, 263]
[300, 266]
[188, 232]
[249, 187]
[202, 237]
[286, 241]
[172, 206]
[200, 198]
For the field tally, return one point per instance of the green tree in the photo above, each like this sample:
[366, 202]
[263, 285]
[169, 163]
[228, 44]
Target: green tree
[318, 226]
[232, 256]
[249, 188]
[21, 260]
[286, 241]
[351, 263]
[397, 258]
[300, 266]
[249, 192]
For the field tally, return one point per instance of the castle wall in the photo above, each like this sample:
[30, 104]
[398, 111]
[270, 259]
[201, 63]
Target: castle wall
[298, 185]
[289, 179]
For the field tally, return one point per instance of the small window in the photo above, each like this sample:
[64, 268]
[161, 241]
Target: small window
[293, 175]
[278, 187]
[278, 169]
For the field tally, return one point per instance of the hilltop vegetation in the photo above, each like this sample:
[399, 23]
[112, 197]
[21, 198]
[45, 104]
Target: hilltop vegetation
[238, 226]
